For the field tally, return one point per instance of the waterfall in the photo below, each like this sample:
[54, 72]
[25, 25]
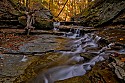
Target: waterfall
[73, 34]
[56, 25]
[82, 45]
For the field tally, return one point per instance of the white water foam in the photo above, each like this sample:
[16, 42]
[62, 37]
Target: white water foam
[66, 71]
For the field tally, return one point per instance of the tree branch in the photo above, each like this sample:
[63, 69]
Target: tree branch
[62, 9]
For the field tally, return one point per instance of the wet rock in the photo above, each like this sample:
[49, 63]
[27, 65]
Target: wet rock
[19, 68]
[120, 72]
[45, 43]
[119, 63]
[118, 67]
[87, 56]
[98, 74]
[113, 35]
[74, 28]
[116, 47]
[13, 67]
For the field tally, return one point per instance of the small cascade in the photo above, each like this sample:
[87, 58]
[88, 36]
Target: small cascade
[55, 29]
[56, 25]
[85, 45]
[73, 33]
[70, 33]
[24, 59]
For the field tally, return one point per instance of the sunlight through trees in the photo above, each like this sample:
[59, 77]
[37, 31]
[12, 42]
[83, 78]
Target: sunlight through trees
[63, 9]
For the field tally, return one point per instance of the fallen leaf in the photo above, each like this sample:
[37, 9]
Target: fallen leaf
[122, 59]
[121, 39]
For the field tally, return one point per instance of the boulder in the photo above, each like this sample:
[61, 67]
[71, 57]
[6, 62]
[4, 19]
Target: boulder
[118, 67]
[43, 19]
[87, 56]
[119, 71]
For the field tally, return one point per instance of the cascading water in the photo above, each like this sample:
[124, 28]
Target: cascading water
[84, 45]
[56, 25]
[73, 33]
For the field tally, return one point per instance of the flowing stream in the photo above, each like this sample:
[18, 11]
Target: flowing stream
[86, 51]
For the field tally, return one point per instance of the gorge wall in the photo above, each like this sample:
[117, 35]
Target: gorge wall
[103, 12]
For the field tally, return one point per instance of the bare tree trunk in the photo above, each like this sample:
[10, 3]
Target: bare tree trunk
[51, 7]
[28, 3]
[30, 21]
[23, 2]
[27, 8]
[49, 4]
[74, 7]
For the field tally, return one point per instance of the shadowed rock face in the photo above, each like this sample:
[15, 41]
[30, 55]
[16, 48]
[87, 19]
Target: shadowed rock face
[12, 15]
[43, 19]
[102, 12]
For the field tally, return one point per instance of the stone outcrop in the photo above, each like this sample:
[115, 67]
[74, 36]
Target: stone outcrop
[43, 19]
[103, 12]
[8, 14]
[118, 67]
[11, 14]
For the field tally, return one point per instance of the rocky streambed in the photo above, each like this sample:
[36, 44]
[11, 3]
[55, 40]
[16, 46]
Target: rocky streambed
[70, 58]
